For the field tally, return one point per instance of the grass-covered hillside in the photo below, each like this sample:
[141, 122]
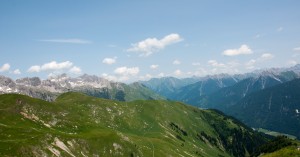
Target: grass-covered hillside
[281, 146]
[80, 125]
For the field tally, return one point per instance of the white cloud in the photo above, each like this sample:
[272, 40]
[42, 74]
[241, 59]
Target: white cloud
[109, 61]
[56, 66]
[17, 72]
[201, 72]
[218, 67]
[251, 63]
[279, 29]
[296, 49]
[150, 45]
[161, 75]
[233, 64]
[291, 63]
[266, 56]
[75, 70]
[214, 63]
[177, 72]
[114, 78]
[122, 74]
[69, 41]
[127, 71]
[154, 66]
[243, 50]
[51, 66]
[176, 62]
[35, 68]
[146, 77]
[109, 77]
[5, 67]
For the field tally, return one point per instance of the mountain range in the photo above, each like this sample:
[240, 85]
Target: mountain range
[139, 121]
[167, 86]
[92, 85]
[227, 93]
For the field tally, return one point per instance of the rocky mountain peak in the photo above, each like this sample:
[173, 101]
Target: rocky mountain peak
[27, 81]
[6, 81]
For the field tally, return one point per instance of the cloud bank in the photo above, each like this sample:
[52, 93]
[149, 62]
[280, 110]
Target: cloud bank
[127, 71]
[154, 66]
[150, 45]
[176, 62]
[55, 66]
[243, 50]
[4, 67]
[109, 61]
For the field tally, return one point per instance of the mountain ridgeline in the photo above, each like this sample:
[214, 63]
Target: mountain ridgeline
[91, 85]
[167, 86]
[266, 99]
[226, 97]
[80, 125]
[193, 93]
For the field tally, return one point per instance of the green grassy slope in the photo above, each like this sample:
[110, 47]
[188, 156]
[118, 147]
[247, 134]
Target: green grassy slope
[281, 146]
[291, 151]
[80, 125]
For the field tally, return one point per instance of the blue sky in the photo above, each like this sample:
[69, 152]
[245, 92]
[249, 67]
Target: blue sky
[134, 40]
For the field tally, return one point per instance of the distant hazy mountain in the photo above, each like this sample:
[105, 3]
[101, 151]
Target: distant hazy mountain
[229, 96]
[167, 86]
[220, 91]
[211, 90]
[276, 108]
[79, 125]
[246, 97]
[193, 93]
[92, 85]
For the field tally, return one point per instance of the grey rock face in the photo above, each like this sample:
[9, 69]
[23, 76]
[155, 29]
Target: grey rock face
[33, 81]
[7, 82]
